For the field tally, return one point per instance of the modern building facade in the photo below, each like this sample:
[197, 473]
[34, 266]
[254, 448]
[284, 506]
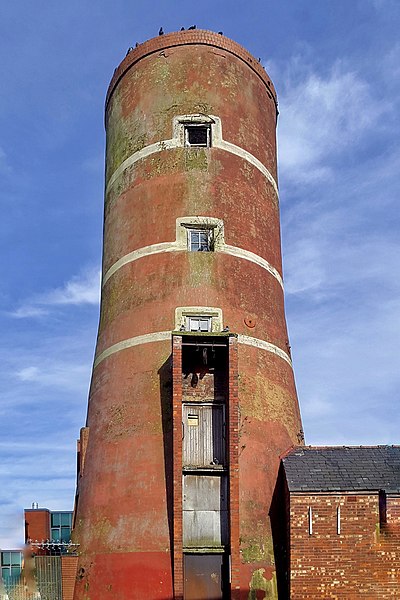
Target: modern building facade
[192, 398]
[44, 525]
[45, 565]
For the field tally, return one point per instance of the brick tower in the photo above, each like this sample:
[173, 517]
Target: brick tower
[192, 397]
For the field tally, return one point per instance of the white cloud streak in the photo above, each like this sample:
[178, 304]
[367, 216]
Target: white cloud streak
[83, 289]
[79, 290]
[320, 117]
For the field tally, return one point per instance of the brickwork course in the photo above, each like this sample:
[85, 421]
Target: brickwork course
[129, 502]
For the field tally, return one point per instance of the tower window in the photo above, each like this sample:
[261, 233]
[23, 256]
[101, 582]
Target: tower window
[199, 240]
[198, 323]
[198, 135]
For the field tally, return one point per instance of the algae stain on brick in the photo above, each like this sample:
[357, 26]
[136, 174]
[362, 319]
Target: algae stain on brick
[260, 583]
[196, 159]
[258, 549]
[201, 268]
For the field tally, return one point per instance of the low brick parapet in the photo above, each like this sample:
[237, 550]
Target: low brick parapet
[190, 37]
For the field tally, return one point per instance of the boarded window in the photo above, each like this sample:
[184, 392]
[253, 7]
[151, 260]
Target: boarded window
[203, 435]
[205, 511]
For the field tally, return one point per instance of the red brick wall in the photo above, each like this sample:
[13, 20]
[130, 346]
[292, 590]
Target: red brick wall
[393, 510]
[68, 576]
[233, 442]
[363, 560]
[37, 524]
[177, 468]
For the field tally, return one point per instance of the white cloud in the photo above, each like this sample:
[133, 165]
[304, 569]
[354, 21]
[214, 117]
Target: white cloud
[79, 290]
[341, 243]
[322, 117]
[82, 289]
[56, 374]
[24, 312]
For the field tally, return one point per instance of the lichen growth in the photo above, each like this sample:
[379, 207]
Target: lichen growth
[196, 158]
[201, 268]
[260, 583]
[123, 139]
[258, 548]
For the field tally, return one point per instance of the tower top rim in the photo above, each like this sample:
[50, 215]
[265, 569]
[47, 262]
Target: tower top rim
[187, 38]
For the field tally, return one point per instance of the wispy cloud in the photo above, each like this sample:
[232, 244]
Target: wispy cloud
[28, 311]
[82, 289]
[55, 374]
[339, 164]
[79, 290]
[321, 116]
[5, 168]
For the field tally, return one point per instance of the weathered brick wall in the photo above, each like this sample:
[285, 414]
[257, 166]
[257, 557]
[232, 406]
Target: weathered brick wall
[393, 510]
[177, 466]
[123, 522]
[68, 574]
[178, 38]
[363, 560]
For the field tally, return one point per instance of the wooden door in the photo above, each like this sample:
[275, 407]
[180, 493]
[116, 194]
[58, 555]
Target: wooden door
[203, 430]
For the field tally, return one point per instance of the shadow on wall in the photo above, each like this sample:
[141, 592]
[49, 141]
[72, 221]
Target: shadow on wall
[165, 375]
[279, 515]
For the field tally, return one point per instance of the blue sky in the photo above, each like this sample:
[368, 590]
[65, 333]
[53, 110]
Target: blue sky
[336, 67]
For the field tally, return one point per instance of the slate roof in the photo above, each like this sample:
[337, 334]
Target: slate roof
[343, 468]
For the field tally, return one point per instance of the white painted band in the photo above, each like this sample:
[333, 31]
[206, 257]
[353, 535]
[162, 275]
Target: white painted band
[140, 253]
[178, 141]
[263, 345]
[139, 155]
[161, 336]
[176, 247]
[233, 149]
[252, 257]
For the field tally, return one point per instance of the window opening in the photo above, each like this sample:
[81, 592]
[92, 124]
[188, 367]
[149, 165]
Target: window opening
[61, 524]
[199, 240]
[10, 564]
[198, 136]
[198, 323]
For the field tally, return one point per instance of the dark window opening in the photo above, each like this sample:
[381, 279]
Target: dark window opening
[198, 135]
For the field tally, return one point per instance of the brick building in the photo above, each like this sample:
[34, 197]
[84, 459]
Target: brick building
[342, 522]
